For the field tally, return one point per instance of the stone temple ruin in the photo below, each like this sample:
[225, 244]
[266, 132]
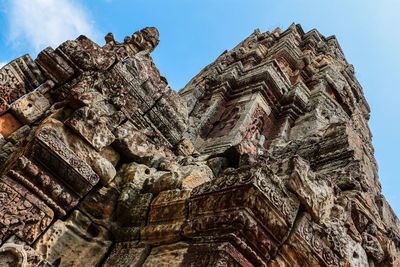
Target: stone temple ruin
[263, 159]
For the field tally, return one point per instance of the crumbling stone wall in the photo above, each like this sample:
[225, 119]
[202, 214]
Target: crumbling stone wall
[263, 159]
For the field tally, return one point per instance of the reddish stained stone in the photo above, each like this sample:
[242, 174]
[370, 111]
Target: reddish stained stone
[8, 124]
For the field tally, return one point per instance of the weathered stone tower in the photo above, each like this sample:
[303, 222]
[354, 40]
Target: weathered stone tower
[263, 159]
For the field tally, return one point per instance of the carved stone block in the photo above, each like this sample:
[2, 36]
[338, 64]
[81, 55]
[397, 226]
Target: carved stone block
[314, 191]
[142, 90]
[246, 206]
[127, 254]
[21, 212]
[167, 214]
[87, 124]
[98, 161]
[113, 88]
[133, 207]
[246, 120]
[50, 151]
[18, 78]
[309, 245]
[214, 254]
[167, 255]
[85, 55]
[144, 40]
[101, 204]
[43, 183]
[195, 175]
[31, 107]
[74, 242]
[19, 135]
[54, 66]
[5, 152]
[268, 161]
[170, 116]
[137, 78]
[133, 144]
[131, 213]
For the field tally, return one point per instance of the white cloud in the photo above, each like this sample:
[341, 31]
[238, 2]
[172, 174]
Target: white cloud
[42, 23]
[2, 64]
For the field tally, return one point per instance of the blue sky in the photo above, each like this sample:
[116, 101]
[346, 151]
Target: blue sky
[194, 33]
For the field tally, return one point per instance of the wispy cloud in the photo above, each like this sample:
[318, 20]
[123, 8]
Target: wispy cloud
[2, 64]
[42, 23]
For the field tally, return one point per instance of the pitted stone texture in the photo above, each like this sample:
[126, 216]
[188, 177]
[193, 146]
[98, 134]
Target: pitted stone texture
[87, 124]
[50, 151]
[19, 77]
[127, 254]
[248, 205]
[167, 214]
[135, 145]
[54, 66]
[12, 255]
[45, 184]
[31, 107]
[99, 162]
[263, 159]
[167, 255]
[76, 241]
[307, 241]
[22, 212]
[85, 55]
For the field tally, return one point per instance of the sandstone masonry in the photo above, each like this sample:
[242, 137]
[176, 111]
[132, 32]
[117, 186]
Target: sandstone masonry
[263, 159]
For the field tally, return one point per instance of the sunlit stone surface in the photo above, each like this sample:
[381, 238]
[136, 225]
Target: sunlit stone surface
[263, 159]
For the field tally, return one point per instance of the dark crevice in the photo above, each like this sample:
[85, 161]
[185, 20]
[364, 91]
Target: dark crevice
[143, 257]
[299, 215]
[107, 255]
[154, 104]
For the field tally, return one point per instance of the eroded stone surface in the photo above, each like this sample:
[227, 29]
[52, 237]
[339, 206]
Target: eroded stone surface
[73, 242]
[263, 159]
[22, 212]
[127, 254]
[31, 107]
[19, 77]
